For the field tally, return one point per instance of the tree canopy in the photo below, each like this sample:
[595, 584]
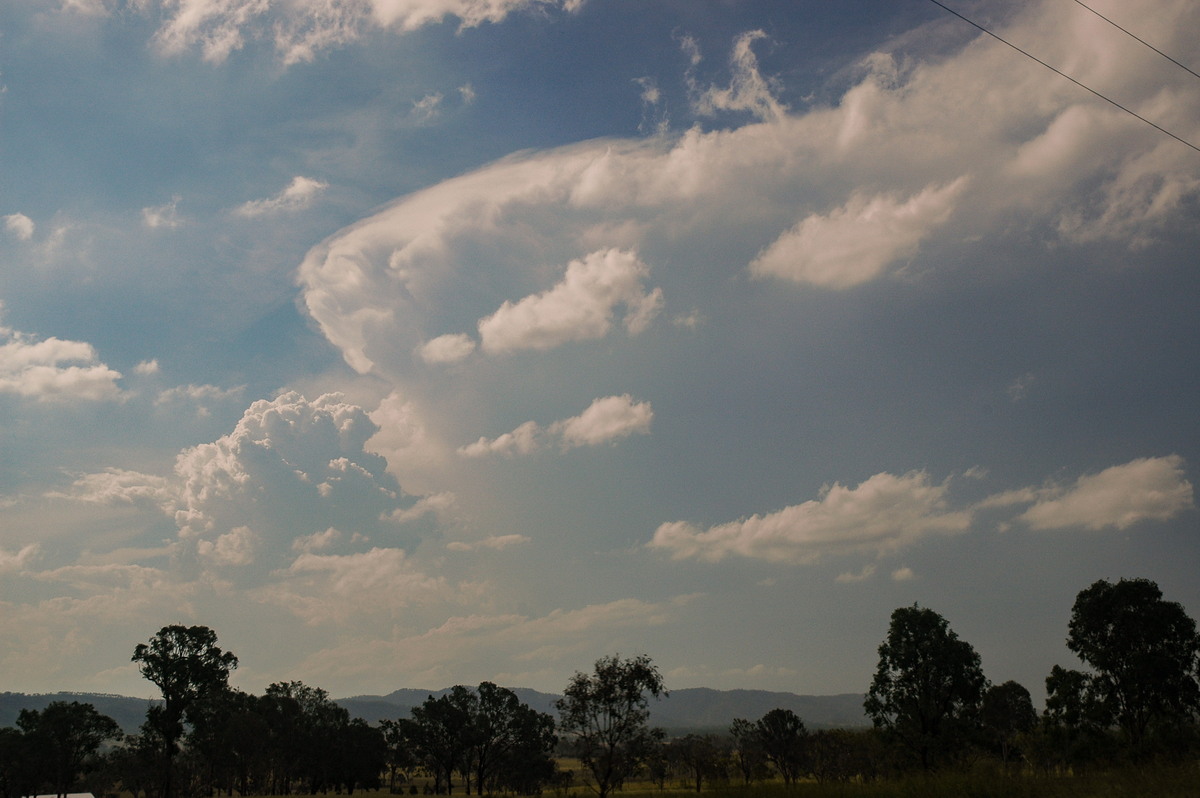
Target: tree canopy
[605, 715]
[928, 685]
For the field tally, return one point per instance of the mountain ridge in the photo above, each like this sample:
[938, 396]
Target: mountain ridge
[689, 709]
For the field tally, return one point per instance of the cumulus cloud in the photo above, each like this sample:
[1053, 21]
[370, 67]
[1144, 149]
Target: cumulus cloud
[121, 486]
[887, 513]
[449, 348]
[298, 195]
[856, 242]
[291, 470]
[605, 420]
[19, 226]
[146, 368]
[1148, 489]
[53, 369]
[883, 514]
[579, 307]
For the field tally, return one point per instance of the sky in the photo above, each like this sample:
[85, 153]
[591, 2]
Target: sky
[411, 343]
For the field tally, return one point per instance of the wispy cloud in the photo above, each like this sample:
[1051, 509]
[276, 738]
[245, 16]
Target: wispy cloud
[298, 195]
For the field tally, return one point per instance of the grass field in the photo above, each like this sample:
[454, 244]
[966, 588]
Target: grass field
[1175, 781]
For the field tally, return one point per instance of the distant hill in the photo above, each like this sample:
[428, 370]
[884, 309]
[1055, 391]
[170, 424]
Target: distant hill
[127, 712]
[697, 708]
[690, 709]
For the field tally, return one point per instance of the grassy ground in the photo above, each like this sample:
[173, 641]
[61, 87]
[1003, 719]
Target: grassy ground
[1161, 782]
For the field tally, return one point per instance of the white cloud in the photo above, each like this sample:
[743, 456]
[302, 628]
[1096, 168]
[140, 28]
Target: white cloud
[903, 574]
[415, 453]
[146, 368]
[1151, 488]
[881, 515]
[300, 30]
[121, 486]
[197, 393]
[19, 226]
[439, 504]
[53, 369]
[298, 195]
[579, 307]
[523, 440]
[449, 348]
[11, 561]
[427, 108]
[857, 242]
[857, 188]
[605, 420]
[496, 542]
[235, 547]
[317, 541]
[749, 91]
[166, 215]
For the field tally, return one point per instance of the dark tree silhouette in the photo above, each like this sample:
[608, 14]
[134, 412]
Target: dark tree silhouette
[605, 717]
[186, 664]
[748, 755]
[62, 739]
[928, 686]
[1007, 712]
[1143, 650]
[783, 740]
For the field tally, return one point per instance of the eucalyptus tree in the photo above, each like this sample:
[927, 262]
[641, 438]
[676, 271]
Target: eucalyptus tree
[605, 717]
[62, 740]
[1143, 651]
[928, 686]
[186, 665]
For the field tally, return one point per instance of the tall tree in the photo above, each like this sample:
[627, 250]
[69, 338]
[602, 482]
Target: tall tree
[1143, 650]
[442, 732]
[186, 664]
[748, 755]
[928, 685]
[605, 716]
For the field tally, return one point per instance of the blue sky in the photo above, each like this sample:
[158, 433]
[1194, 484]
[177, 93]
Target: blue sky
[422, 342]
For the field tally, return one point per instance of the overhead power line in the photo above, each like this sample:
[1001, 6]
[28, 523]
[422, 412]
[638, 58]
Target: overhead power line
[1033, 57]
[1135, 36]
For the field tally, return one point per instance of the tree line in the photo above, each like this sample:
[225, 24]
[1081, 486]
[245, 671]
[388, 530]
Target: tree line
[930, 704]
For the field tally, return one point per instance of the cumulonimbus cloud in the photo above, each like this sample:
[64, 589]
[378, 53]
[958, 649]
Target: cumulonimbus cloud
[832, 196]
